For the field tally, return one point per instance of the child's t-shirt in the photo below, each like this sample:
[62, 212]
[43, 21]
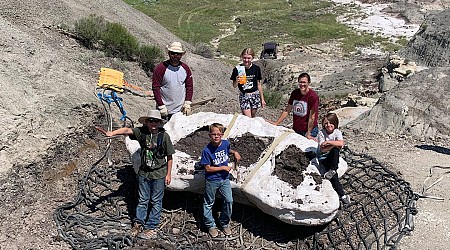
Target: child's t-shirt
[215, 157]
[323, 136]
[159, 170]
[253, 76]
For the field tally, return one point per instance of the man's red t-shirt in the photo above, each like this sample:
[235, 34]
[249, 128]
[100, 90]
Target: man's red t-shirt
[302, 107]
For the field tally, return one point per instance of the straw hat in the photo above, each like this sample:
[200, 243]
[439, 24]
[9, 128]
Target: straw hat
[175, 47]
[155, 114]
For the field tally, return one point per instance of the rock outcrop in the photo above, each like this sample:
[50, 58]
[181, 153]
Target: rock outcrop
[396, 70]
[430, 45]
[417, 106]
[416, 103]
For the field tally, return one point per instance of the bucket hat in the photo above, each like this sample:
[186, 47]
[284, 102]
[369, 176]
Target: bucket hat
[175, 47]
[155, 114]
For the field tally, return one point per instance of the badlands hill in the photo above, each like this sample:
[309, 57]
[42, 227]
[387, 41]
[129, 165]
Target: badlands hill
[418, 105]
[47, 78]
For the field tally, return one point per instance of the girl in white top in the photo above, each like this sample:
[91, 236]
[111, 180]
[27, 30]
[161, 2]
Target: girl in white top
[330, 143]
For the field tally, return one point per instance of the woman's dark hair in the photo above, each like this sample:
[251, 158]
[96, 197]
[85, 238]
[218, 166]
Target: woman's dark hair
[332, 118]
[304, 75]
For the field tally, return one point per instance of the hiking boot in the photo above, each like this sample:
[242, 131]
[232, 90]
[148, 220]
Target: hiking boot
[345, 199]
[227, 230]
[213, 232]
[148, 234]
[137, 228]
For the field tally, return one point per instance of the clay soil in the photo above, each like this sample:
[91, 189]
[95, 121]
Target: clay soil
[290, 165]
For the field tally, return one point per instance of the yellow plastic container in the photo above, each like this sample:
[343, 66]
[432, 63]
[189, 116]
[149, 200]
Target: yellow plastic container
[241, 74]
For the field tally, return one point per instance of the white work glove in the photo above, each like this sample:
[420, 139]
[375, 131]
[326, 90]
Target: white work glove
[328, 175]
[187, 110]
[163, 110]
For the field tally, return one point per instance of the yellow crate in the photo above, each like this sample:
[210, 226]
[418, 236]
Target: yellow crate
[111, 79]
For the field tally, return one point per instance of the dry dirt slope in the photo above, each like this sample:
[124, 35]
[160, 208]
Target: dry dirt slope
[45, 74]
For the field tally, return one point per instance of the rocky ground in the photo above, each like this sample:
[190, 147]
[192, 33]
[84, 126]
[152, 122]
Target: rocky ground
[48, 111]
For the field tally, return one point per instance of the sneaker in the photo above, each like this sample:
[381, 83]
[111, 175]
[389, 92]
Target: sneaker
[345, 199]
[137, 228]
[148, 234]
[227, 230]
[213, 232]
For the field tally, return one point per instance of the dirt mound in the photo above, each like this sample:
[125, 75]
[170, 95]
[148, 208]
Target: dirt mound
[290, 165]
[250, 147]
[194, 143]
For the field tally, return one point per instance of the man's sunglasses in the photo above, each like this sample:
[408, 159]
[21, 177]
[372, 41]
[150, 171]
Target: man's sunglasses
[175, 53]
[152, 120]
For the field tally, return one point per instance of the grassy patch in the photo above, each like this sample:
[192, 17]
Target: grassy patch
[291, 22]
[273, 98]
[294, 22]
[353, 41]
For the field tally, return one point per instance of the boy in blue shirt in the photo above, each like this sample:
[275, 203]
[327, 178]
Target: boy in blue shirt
[217, 172]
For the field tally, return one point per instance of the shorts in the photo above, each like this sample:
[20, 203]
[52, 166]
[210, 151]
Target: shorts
[250, 100]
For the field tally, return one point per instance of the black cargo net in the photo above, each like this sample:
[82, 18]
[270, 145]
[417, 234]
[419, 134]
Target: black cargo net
[379, 215]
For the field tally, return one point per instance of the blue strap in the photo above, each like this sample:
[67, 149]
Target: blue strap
[113, 97]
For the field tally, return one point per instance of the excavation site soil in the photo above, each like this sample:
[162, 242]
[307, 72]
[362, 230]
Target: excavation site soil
[289, 165]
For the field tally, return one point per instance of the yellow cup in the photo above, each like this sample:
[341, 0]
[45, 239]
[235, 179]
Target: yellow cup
[243, 79]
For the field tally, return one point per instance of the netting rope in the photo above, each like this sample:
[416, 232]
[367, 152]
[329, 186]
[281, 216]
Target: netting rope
[379, 216]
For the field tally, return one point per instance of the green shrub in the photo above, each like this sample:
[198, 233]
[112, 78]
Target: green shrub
[119, 42]
[90, 30]
[272, 98]
[113, 38]
[148, 57]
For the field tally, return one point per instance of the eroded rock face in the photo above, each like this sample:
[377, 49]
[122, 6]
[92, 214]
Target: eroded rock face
[430, 45]
[396, 70]
[418, 106]
[298, 197]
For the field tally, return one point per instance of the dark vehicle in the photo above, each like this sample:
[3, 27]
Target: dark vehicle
[270, 50]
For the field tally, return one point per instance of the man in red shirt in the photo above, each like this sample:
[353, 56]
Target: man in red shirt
[304, 102]
[172, 83]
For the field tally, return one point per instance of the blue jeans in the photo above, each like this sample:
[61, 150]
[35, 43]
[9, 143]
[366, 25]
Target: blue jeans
[211, 188]
[314, 132]
[150, 191]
